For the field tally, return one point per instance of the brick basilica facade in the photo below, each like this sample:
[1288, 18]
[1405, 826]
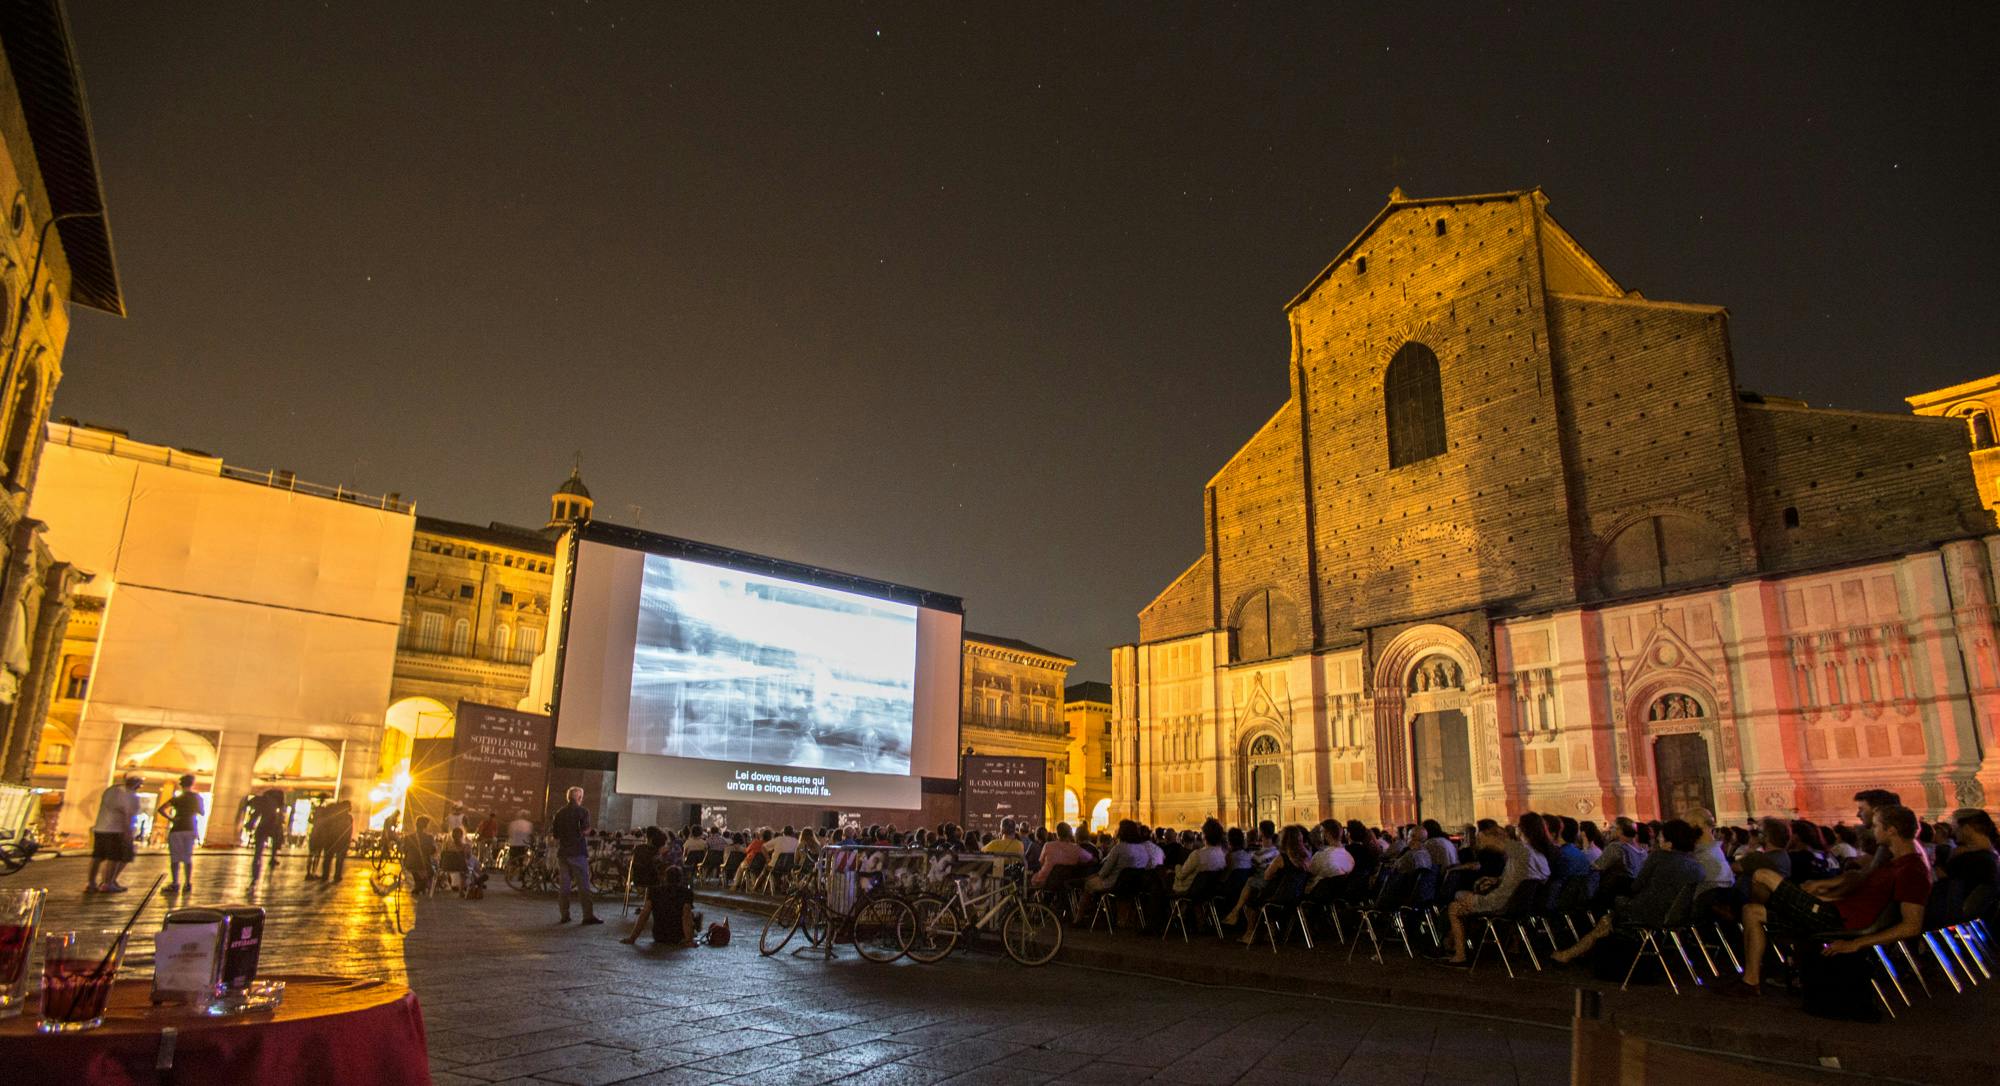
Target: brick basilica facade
[1516, 540]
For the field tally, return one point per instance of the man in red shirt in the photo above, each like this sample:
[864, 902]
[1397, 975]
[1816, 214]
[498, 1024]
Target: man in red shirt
[1830, 905]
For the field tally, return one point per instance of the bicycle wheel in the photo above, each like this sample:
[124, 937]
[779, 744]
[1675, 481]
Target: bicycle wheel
[1032, 933]
[517, 876]
[386, 877]
[813, 922]
[882, 929]
[780, 926]
[13, 859]
[936, 932]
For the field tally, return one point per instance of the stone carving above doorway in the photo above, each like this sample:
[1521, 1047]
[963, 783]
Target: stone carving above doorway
[1435, 673]
[1675, 707]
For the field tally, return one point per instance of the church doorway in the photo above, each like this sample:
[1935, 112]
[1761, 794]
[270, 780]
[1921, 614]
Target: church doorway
[1442, 753]
[1267, 779]
[1265, 792]
[1681, 762]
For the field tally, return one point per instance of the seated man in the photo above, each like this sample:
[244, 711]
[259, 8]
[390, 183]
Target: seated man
[1841, 904]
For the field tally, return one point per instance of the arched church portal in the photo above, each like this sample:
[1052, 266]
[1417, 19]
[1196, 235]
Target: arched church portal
[1264, 770]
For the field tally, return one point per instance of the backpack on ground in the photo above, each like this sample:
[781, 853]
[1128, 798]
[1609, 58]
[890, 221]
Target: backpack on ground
[718, 934]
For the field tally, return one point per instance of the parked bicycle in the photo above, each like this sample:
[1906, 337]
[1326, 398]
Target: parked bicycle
[1030, 931]
[15, 853]
[879, 922]
[531, 871]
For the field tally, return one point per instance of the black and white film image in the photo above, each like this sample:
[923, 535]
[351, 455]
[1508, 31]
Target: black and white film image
[737, 667]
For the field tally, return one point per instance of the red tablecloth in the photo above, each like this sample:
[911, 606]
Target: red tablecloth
[328, 1029]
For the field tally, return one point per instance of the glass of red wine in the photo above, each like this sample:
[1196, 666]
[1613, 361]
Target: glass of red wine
[20, 915]
[78, 968]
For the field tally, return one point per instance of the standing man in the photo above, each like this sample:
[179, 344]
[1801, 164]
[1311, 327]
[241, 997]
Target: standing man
[569, 827]
[111, 836]
[184, 813]
[267, 829]
[520, 837]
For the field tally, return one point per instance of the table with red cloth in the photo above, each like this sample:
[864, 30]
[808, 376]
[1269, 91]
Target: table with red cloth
[328, 1029]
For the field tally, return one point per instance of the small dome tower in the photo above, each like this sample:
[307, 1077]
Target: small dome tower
[571, 501]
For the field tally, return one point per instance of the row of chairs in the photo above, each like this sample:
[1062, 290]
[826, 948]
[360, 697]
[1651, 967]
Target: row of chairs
[1405, 907]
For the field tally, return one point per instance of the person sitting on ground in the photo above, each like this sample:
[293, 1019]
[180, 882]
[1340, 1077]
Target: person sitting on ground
[1009, 841]
[1524, 858]
[645, 872]
[1283, 880]
[1668, 870]
[1841, 903]
[1211, 856]
[671, 903]
[1063, 852]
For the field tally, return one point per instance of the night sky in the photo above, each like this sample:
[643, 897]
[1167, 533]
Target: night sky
[972, 297]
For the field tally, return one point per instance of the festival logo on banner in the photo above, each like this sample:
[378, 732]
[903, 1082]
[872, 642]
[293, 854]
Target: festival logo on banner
[500, 759]
[1000, 787]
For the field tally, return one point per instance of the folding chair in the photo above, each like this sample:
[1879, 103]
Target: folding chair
[1200, 895]
[1514, 914]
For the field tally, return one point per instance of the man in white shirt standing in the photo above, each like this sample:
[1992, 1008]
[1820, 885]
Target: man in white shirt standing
[111, 836]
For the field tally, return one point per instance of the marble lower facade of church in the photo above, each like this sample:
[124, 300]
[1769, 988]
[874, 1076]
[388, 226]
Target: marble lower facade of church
[1770, 695]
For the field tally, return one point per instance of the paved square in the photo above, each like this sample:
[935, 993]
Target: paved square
[510, 996]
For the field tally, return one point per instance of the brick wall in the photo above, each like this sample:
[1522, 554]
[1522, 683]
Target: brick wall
[1863, 485]
[1486, 522]
[1182, 609]
[1260, 523]
[1647, 397]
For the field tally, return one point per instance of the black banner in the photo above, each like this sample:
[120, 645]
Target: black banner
[500, 761]
[1000, 787]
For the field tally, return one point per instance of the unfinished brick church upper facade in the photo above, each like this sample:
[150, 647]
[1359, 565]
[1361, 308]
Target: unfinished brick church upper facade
[1516, 541]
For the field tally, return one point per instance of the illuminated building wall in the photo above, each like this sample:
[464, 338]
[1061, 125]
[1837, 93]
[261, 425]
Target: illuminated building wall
[1011, 703]
[1516, 541]
[1087, 708]
[1975, 403]
[246, 623]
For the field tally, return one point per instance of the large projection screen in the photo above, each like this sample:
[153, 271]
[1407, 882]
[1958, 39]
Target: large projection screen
[718, 676]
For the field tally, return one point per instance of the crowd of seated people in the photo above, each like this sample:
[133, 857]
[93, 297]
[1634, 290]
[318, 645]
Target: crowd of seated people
[1884, 878]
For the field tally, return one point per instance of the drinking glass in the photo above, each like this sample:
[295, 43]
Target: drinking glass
[20, 915]
[78, 968]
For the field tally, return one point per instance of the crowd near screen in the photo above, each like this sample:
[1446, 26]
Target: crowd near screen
[714, 681]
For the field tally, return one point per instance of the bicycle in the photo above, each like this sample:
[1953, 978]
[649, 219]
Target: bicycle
[15, 854]
[880, 923]
[1030, 931]
[531, 872]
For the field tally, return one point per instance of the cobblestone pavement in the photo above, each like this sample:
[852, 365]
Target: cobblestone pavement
[509, 996]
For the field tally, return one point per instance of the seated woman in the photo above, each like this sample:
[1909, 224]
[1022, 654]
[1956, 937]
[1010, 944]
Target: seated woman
[672, 905]
[1669, 869]
[1282, 880]
[1133, 851]
[1526, 858]
[646, 869]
